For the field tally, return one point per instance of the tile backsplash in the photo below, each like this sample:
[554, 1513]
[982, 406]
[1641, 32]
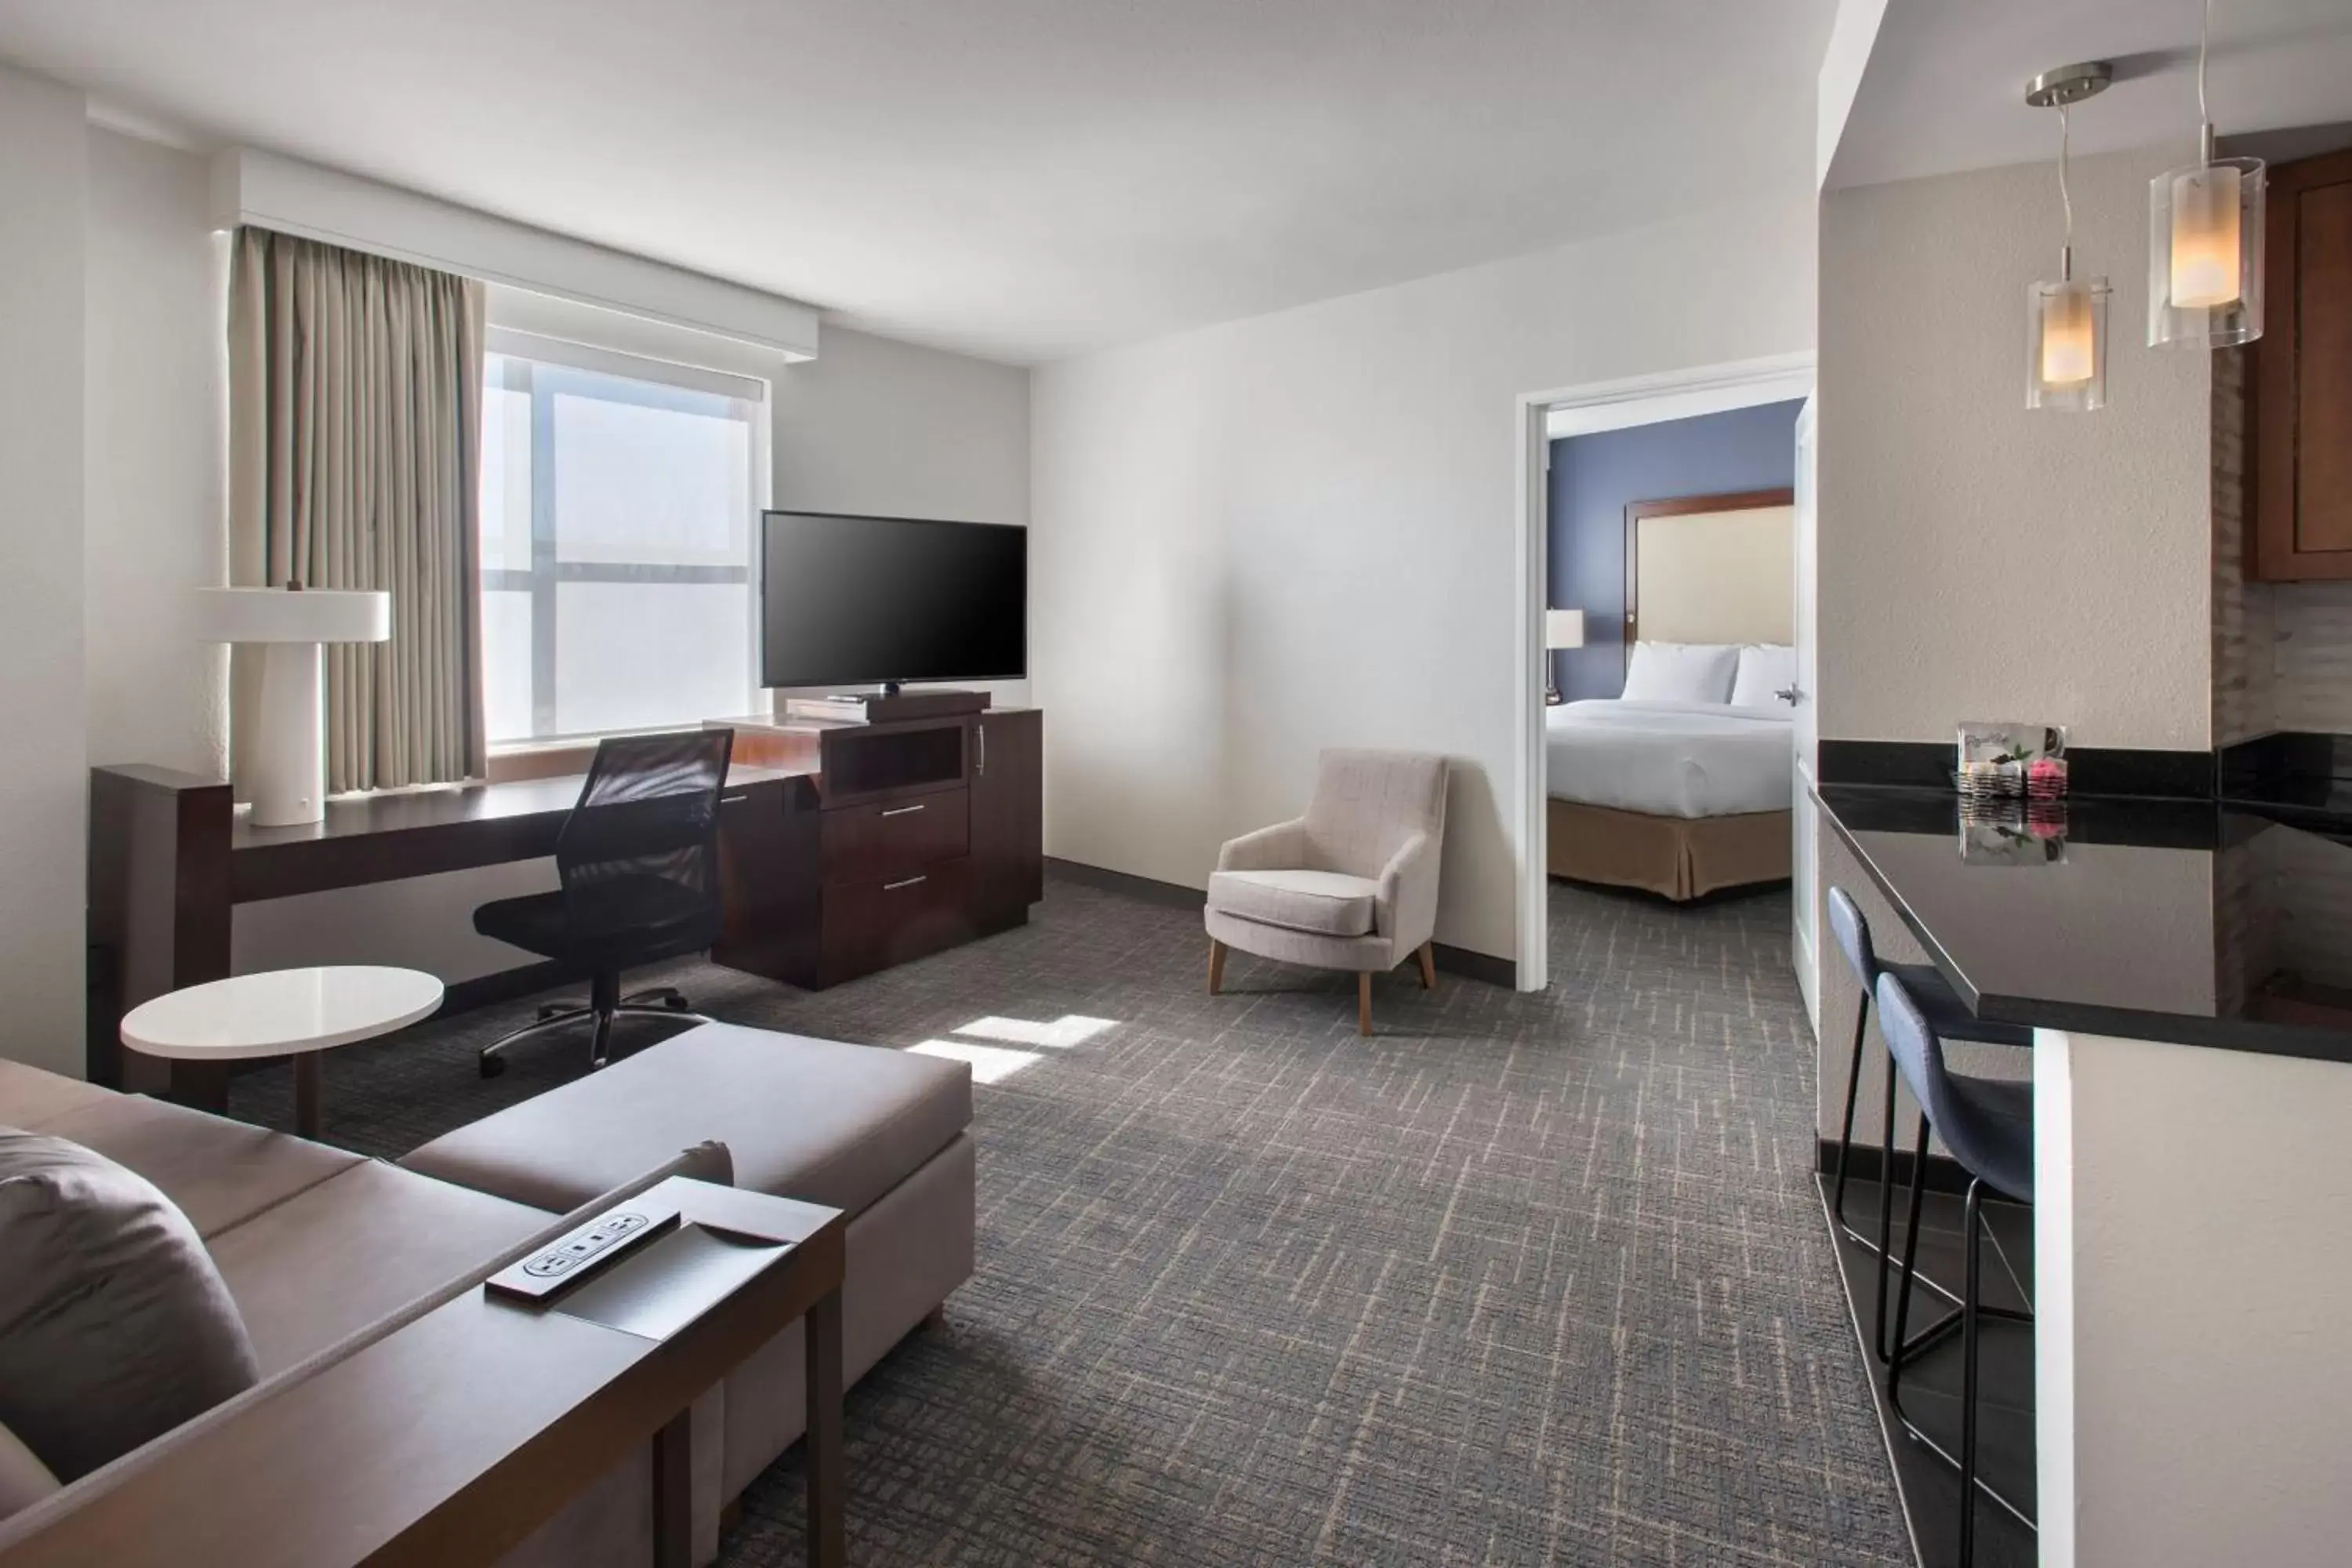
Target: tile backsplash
[2282, 651]
[2311, 654]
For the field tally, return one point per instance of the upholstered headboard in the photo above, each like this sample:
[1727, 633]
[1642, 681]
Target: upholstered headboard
[1711, 568]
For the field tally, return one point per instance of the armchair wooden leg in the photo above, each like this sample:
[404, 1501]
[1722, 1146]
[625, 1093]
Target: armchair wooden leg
[1363, 1001]
[1428, 956]
[1216, 964]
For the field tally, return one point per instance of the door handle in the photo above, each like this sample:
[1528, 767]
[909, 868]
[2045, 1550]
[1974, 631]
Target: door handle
[980, 736]
[903, 810]
[909, 882]
[1789, 695]
[732, 799]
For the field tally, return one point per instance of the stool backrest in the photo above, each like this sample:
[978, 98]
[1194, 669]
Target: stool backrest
[1920, 1052]
[1852, 933]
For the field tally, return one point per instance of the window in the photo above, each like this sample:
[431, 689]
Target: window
[619, 502]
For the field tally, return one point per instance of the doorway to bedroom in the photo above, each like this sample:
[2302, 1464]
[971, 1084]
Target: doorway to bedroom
[1668, 577]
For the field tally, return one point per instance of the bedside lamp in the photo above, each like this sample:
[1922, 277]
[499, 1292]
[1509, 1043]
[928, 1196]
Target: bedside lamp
[1562, 628]
[291, 623]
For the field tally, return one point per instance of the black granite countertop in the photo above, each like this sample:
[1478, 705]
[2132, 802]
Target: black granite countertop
[2226, 925]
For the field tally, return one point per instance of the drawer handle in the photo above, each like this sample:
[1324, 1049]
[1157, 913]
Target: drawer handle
[894, 887]
[902, 810]
[732, 799]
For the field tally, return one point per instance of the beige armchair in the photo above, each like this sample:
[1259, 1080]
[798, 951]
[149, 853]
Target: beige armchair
[1350, 885]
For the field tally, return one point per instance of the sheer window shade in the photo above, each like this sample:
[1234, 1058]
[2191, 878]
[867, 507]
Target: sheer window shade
[619, 503]
[355, 424]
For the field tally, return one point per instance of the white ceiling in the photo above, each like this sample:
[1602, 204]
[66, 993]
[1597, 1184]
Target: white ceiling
[1945, 88]
[1023, 179]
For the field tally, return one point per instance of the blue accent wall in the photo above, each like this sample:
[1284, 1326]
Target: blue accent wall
[1595, 478]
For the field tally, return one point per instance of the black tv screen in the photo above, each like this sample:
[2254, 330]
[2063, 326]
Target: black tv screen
[848, 601]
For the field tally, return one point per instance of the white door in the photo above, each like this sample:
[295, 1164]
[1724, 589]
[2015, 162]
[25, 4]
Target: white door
[1802, 818]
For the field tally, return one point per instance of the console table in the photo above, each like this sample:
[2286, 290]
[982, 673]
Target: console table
[825, 871]
[450, 1439]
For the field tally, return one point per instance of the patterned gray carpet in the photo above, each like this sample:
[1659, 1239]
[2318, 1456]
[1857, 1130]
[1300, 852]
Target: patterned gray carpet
[1522, 1279]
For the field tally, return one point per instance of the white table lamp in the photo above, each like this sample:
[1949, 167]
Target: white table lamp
[1562, 628]
[289, 754]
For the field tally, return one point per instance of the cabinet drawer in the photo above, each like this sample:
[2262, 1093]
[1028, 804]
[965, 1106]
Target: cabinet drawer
[870, 925]
[887, 840]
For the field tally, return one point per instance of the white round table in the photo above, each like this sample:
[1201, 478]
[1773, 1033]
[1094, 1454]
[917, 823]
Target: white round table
[297, 1012]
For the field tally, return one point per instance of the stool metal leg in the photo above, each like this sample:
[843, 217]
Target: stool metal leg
[1966, 1321]
[1890, 1351]
[1969, 1379]
[1845, 1134]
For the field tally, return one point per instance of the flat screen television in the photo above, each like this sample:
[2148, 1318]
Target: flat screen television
[853, 601]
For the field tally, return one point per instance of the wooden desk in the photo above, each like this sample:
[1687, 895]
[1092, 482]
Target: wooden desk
[843, 849]
[450, 1440]
[171, 856]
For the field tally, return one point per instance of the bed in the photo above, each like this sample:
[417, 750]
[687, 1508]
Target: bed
[1681, 798]
[1683, 786]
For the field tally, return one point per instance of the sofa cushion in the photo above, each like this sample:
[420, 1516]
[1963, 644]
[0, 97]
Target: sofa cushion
[220, 1172]
[114, 1324]
[354, 1248]
[1328, 903]
[816, 1120]
[29, 1097]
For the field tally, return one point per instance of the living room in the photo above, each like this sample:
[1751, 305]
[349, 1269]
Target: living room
[778, 783]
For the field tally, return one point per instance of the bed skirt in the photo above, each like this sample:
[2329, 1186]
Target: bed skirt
[1676, 856]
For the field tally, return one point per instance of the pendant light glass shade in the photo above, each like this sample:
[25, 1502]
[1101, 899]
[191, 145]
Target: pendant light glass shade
[2205, 254]
[2066, 344]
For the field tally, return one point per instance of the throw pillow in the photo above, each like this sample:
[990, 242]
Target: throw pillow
[115, 1326]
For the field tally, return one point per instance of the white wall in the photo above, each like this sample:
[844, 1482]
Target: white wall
[2192, 1399]
[1979, 560]
[893, 429]
[43, 789]
[1259, 539]
[157, 362]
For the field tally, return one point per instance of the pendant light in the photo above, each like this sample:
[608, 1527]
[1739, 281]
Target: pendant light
[2205, 240]
[2066, 320]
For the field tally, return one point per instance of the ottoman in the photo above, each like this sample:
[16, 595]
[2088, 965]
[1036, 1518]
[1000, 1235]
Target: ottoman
[877, 1134]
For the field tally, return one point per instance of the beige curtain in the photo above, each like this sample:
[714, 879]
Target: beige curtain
[355, 437]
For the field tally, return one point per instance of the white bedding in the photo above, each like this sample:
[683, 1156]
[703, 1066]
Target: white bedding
[1669, 759]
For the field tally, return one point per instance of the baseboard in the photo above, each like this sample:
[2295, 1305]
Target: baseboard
[1945, 1174]
[1462, 961]
[1486, 967]
[1151, 889]
[506, 985]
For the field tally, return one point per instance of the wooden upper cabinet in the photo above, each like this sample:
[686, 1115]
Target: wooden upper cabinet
[2301, 384]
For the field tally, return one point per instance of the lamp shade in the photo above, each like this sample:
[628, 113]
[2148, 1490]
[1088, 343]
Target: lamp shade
[2066, 344]
[2205, 254]
[1563, 628]
[293, 615]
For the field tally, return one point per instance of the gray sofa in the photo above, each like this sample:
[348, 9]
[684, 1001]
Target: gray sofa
[315, 1243]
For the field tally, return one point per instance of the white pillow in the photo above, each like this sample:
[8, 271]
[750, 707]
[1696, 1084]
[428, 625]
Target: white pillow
[1764, 668]
[1681, 672]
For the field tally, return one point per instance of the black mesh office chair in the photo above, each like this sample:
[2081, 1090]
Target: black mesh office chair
[639, 859]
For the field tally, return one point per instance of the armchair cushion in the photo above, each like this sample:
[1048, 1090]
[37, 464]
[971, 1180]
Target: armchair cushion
[1328, 903]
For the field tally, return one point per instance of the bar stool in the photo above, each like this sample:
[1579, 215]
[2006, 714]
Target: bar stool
[1987, 1125]
[1951, 1020]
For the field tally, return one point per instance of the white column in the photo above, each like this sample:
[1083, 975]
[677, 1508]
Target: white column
[290, 757]
[2193, 1377]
